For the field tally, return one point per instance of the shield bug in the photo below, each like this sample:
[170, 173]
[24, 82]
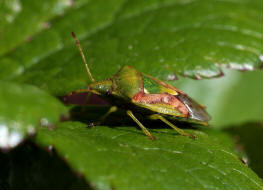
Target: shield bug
[139, 93]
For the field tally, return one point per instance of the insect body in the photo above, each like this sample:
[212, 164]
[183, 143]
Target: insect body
[145, 95]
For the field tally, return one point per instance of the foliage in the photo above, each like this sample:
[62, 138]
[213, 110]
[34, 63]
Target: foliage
[167, 39]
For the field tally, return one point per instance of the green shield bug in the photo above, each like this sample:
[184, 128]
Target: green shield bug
[143, 94]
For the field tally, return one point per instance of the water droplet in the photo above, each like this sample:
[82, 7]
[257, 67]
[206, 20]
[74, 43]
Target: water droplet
[44, 122]
[31, 130]
[156, 47]
[14, 139]
[9, 139]
[50, 148]
[161, 60]
[16, 6]
[172, 77]
[9, 18]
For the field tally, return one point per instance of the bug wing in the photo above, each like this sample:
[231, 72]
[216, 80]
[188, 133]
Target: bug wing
[196, 111]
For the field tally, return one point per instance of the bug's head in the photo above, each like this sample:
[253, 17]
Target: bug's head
[101, 87]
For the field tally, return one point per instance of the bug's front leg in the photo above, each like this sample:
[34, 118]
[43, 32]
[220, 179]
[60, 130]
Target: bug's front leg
[144, 129]
[180, 131]
[111, 110]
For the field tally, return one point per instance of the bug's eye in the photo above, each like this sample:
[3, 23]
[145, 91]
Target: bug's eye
[196, 111]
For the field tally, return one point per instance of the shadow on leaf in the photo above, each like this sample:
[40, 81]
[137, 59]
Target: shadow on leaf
[29, 167]
[90, 114]
[249, 139]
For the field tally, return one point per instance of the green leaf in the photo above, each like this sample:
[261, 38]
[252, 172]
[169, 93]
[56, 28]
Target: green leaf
[161, 38]
[231, 100]
[124, 158]
[23, 109]
[84, 17]
[20, 20]
[193, 38]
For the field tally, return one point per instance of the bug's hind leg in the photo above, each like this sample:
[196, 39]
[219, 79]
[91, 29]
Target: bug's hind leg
[144, 129]
[111, 110]
[180, 131]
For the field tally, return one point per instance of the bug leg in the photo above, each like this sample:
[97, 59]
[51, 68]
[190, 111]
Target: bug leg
[180, 131]
[86, 102]
[144, 129]
[111, 110]
[81, 91]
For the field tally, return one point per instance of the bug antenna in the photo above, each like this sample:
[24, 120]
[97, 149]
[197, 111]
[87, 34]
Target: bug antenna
[83, 56]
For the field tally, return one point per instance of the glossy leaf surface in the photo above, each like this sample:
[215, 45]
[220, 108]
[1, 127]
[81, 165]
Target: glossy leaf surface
[21, 20]
[23, 109]
[165, 39]
[124, 158]
[193, 38]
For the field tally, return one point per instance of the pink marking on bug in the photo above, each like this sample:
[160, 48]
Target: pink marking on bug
[163, 98]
